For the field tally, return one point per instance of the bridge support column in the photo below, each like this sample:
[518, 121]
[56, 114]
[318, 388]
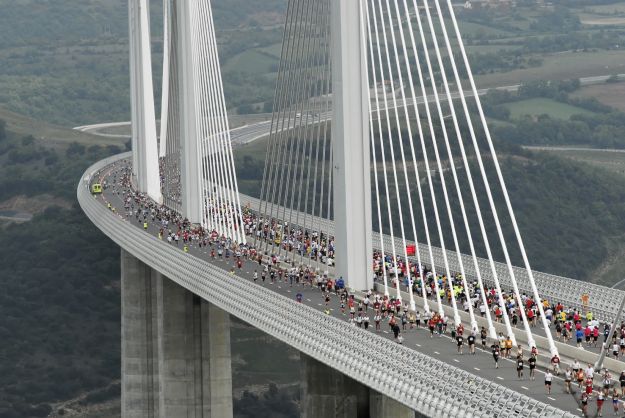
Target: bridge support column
[194, 355]
[175, 349]
[140, 383]
[383, 407]
[327, 393]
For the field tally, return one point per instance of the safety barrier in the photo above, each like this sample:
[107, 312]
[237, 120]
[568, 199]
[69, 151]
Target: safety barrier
[418, 381]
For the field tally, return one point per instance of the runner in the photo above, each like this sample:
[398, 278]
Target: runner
[459, 341]
[584, 399]
[519, 367]
[568, 376]
[548, 379]
[606, 383]
[555, 364]
[589, 386]
[471, 342]
[495, 350]
[377, 319]
[600, 399]
[532, 364]
[508, 343]
[431, 325]
[615, 401]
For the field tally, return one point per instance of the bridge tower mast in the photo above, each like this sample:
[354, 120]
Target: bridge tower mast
[145, 153]
[350, 142]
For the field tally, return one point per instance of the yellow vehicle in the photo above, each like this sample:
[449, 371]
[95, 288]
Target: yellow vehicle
[96, 188]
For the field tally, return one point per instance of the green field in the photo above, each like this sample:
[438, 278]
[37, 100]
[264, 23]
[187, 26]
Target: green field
[560, 66]
[253, 61]
[607, 9]
[542, 106]
[607, 160]
[274, 50]
[611, 94]
[479, 30]
[52, 134]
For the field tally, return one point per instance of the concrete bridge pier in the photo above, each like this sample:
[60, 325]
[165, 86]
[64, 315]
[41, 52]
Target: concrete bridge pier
[140, 376]
[383, 406]
[327, 393]
[175, 349]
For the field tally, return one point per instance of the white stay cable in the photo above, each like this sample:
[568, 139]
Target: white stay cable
[441, 173]
[412, 148]
[459, 136]
[210, 136]
[283, 118]
[236, 201]
[388, 122]
[199, 128]
[554, 350]
[401, 146]
[324, 80]
[375, 163]
[219, 119]
[409, 127]
[292, 142]
[506, 319]
[455, 174]
[304, 127]
[427, 164]
[162, 145]
[272, 141]
[208, 118]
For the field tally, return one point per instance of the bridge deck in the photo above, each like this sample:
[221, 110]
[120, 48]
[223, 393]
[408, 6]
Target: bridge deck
[441, 348]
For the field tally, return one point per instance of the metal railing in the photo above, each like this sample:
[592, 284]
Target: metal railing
[418, 381]
[603, 301]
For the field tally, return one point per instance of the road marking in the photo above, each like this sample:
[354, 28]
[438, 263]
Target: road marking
[386, 332]
[457, 361]
[319, 304]
[500, 378]
[549, 397]
[524, 388]
[475, 368]
[309, 300]
[436, 352]
[418, 345]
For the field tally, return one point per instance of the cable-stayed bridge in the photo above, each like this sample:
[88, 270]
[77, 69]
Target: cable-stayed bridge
[366, 185]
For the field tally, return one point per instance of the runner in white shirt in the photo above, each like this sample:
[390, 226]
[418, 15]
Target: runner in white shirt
[548, 380]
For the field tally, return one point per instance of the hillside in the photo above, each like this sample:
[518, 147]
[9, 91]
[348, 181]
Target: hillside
[569, 212]
[65, 63]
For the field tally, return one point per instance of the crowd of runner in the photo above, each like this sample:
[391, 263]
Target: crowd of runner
[377, 310]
